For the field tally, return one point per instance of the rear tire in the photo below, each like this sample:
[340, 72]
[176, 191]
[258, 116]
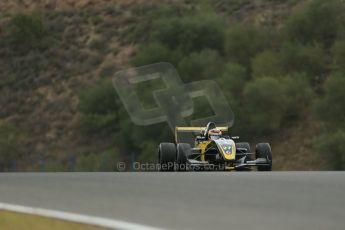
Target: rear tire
[167, 156]
[263, 150]
[183, 150]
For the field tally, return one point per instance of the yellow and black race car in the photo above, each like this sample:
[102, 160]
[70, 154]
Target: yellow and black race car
[213, 150]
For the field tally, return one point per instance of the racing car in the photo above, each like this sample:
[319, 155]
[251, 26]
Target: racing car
[213, 149]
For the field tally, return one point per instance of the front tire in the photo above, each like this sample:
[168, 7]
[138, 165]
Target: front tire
[263, 150]
[167, 156]
[245, 145]
[183, 150]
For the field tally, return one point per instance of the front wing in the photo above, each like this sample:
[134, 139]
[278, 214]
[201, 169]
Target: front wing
[239, 164]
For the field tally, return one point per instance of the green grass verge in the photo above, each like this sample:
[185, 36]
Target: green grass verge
[19, 221]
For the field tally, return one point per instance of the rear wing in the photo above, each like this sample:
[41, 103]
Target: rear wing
[188, 134]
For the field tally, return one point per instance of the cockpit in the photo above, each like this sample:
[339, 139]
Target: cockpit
[215, 136]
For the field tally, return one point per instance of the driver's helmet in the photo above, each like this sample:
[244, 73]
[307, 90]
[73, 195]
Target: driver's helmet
[214, 134]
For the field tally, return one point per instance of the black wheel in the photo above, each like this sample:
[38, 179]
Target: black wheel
[167, 156]
[245, 145]
[183, 150]
[263, 150]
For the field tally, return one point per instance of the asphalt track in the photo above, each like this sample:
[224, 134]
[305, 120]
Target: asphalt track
[193, 200]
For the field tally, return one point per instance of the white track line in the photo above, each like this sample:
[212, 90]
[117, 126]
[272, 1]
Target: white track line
[79, 218]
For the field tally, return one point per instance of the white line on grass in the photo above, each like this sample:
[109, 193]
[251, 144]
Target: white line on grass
[79, 218]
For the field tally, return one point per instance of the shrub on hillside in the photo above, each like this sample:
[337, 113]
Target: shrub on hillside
[206, 64]
[311, 59]
[27, 31]
[299, 94]
[330, 108]
[102, 114]
[148, 151]
[233, 80]
[267, 63]
[11, 146]
[244, 41]
[53, 165]
[264, 105]
[145, 16]
[338, 51]
[332, 147]
[289, 56]
[108, 160]
[190, 34]
[155, 52]
[268, 102]
[229, 7]
[317, 21]
[88, 163]
[98, 107]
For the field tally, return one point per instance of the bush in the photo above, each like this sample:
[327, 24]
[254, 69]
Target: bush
[104, 115]
[99, 44]
[98, 106]
[233, 80]
[26, 31]
[155, 52]
[243, 42]
[332, 146]
[289, 57]
[88, 163]
[206, 64]
[111, 10]
[145, 16]
[318, 21]
[11, 146]
[264, 102]
[271, 101]
[267, 63]
[190, 34]
[298, 93]
[108, 160]
[54, 166]
[229, 6]
[330, 109]
[148, 151]
[338, 51]
[311, 59]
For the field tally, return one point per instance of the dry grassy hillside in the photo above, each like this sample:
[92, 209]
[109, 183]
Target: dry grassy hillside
[90, 40]
[45, 103]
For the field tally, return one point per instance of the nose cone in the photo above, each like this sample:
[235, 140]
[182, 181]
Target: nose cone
[227, 148]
